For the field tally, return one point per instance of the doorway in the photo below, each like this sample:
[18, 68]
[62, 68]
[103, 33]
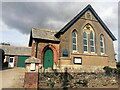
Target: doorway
[48, 59]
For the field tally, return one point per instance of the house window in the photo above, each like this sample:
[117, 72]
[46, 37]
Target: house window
[85, 43]
[65, 53]
[11, 62]
[101, 44]
[74, 37]
[92, 42]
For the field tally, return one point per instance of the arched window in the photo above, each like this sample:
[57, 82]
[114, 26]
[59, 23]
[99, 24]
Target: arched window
[74, 37]
[65, 53]
[101, 44]
[85, 43]
[92, 42]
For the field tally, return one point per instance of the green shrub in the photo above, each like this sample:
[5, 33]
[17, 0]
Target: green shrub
[118, 70]
[85, 83]
[115, 70]
[47, 73]
[118, 64]
[78, 73]
[51, 84]
[56, 73]
[108, 70]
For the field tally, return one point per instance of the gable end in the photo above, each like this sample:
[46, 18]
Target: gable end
[89, 7]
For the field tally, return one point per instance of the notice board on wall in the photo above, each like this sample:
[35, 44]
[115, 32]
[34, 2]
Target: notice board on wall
[77, 60]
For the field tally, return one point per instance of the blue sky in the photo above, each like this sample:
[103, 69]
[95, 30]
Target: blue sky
[19, 17]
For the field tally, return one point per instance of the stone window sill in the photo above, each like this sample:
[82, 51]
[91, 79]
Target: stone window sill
[89, 54]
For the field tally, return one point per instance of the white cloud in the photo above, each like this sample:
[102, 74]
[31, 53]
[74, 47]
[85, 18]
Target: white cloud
[108, 13]
[54, 23]
[3, 27]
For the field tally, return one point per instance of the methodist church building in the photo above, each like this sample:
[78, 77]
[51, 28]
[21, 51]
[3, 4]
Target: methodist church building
[85, 41]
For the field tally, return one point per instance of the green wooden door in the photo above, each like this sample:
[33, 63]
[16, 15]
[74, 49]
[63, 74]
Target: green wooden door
[21, 61]
[48, 59]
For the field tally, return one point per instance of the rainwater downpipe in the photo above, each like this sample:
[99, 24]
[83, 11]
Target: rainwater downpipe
[36, 49]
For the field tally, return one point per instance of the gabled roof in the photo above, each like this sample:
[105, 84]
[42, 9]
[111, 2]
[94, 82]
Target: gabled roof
[43, 34]
[15, 50]
[89, 7]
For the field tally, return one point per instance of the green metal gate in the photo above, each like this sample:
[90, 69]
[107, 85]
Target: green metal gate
[48, 59]
[21, 61]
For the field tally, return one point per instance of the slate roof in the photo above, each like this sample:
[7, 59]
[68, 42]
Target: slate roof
[44, 34]
[15, 50]
[89, 7]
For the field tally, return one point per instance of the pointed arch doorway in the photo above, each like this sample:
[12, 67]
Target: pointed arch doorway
[48, 58]
[49, 55]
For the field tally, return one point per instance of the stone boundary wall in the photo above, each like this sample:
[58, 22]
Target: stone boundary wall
[74, 68]
[77, 80]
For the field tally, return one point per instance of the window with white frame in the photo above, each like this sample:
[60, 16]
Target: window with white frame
[92, 42]
[74, 38]
[85, 43]
[101, 44]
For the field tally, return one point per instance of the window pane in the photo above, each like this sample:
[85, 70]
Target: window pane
[84, 34]
[74, 47]
[101, 43]
[74, 34]
[92, 49]
[101, 38]
[101, 50]
[11, 59]
[92, 43]
[74, 40]
[65, 53]
[91, 35]
[85, 48]
[85, 42]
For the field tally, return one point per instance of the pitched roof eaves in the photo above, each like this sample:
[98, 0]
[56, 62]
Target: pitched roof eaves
[71, 22]
[103, 24]
[43, 29]
[46, 39]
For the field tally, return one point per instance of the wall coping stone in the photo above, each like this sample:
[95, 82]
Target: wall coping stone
[32, 60]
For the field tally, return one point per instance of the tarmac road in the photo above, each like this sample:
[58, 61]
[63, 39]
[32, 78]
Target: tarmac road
[12, 78]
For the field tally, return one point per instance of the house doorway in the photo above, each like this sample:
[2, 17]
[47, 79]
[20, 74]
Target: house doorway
[48, 58]
[11, 62]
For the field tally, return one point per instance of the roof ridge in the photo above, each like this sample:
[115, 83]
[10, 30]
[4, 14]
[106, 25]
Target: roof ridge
[44, 29]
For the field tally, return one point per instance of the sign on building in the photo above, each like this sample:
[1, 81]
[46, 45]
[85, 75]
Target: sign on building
[32, 67]
[78, 60]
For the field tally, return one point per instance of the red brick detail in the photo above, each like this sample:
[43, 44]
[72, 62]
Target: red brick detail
[7, 58]
[33, 46]
[27, 64]
[31, 80]
[15, 61]
[36, 64]
[55, 51]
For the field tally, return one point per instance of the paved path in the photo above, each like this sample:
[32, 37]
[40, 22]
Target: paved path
[12, 78]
